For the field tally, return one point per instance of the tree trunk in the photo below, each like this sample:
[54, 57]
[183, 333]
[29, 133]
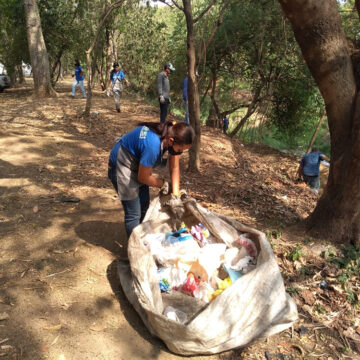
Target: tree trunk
[109, 53]
[315, 132]
[318, 30]
[37, 49]
[251, 109]
[193, 92]
[217, 123]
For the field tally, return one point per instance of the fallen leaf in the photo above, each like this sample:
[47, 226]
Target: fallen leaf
[55, 340]
[52, 328]
[308, 297]
[4, 316]
[97, 327]
[6, 347]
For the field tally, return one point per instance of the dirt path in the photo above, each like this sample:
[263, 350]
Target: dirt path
[58, 284]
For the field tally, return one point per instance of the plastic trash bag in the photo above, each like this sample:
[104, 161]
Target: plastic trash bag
[254, 307]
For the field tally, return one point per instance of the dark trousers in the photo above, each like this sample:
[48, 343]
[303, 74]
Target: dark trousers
[134, 209]
[313, 181]
[164, 110]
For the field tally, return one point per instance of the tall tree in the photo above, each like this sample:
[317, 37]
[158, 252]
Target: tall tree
[320, 35]
[194, 59]
[37, 49]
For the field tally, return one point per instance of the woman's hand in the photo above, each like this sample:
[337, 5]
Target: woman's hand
[145, 177]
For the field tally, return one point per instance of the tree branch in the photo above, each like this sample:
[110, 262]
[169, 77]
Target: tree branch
[204, 11]
[218, 23]
[108, 11]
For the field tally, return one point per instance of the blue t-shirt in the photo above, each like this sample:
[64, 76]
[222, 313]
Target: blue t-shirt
[142, 143]
[117, 75]
[78, 73]
[311, 163]
[185, 88]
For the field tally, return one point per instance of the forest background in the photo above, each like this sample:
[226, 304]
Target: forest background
[252, 68]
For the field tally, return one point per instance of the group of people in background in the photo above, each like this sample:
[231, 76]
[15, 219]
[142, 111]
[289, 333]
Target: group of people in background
[115, 85]
[152, 144]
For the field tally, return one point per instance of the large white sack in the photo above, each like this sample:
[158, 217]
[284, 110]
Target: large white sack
[253, 307]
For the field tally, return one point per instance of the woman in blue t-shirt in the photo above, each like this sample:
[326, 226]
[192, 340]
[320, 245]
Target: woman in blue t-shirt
[132, 159]
[117, 76]
[79, 79]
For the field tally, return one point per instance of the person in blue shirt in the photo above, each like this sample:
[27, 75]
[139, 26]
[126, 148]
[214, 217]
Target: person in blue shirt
[79, 79]
[185, 99]
[133, 158]
[117, 76]
[225, 124]
[309, 168]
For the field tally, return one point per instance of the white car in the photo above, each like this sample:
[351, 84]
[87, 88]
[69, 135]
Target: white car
[4, 82]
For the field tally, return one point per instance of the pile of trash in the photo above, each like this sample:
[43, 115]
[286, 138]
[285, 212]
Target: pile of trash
[204, 286]
[193, 262]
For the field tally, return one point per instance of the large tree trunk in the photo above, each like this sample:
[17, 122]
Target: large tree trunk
[318, 30]
[37, 49]
[110, 52]
[193, 92]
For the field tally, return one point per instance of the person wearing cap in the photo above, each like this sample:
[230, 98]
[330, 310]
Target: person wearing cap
[163, 88]
[133, 158]
[117, 76]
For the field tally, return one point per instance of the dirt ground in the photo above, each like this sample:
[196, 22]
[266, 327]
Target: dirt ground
[60, 297]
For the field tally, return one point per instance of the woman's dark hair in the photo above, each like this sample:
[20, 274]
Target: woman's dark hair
[181, 132]
[77, 62]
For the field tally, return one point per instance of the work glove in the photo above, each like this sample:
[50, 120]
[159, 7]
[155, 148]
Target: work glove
[162, 100]
[165, 189]
[107, 92]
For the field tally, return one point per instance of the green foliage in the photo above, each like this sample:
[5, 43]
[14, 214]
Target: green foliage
[143, 41]
[305, 270]
[273, 234]
[319, 308]
[295, 254]
[307, 241]
[292, 291]
[13, 44]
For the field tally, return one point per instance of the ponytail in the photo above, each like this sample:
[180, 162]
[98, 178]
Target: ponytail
[181, 132]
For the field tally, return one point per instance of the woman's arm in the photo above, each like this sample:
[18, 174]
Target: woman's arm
[174, 169]
[145, 177]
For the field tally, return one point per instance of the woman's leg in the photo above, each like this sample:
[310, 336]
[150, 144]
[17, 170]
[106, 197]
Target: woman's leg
[144, 196]
[81, 82]
[73, 87]
[117, 96]
[132, 210]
